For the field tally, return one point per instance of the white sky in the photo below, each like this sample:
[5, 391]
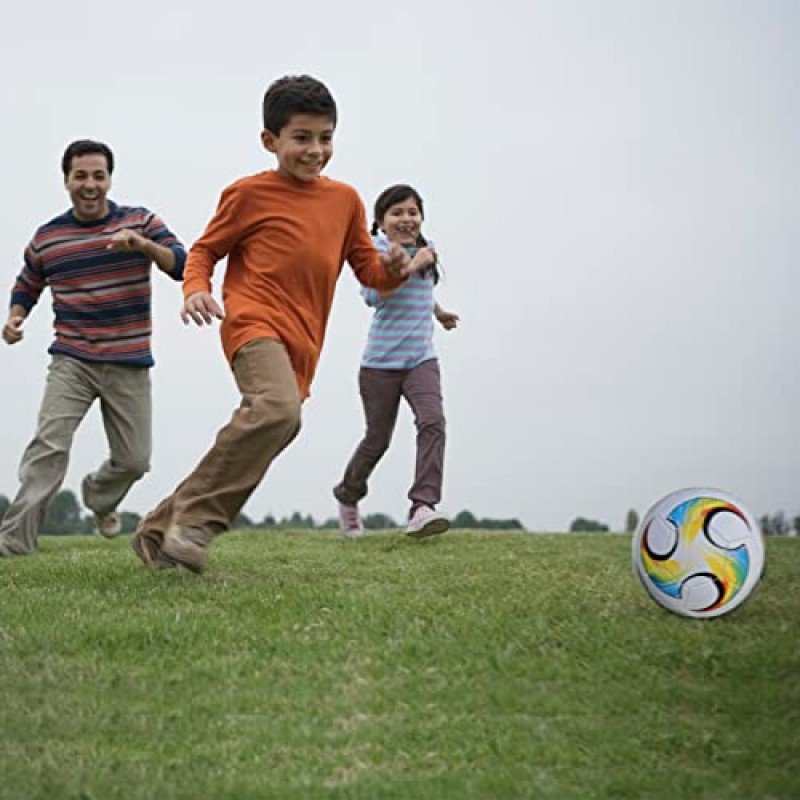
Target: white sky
[612, 186]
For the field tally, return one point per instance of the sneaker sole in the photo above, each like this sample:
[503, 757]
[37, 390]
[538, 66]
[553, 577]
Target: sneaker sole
[432, 528]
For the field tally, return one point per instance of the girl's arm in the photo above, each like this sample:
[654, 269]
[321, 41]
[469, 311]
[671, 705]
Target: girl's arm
[447, 319]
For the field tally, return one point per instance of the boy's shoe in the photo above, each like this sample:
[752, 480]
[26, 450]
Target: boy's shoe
[186, 547]
[148, 548]
[424, 521]
[350, 521]
[108, 525]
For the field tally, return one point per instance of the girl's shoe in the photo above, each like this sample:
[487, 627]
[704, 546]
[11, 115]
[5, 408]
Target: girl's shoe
[424, 521]
[350, 522]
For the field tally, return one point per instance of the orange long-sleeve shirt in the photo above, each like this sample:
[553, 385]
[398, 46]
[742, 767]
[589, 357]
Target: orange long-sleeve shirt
[286, 241]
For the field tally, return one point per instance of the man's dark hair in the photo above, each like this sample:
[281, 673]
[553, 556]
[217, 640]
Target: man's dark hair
[296, 94]
[86, 147]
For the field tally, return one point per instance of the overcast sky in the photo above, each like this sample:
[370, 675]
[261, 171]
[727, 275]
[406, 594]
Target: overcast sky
[612, 187]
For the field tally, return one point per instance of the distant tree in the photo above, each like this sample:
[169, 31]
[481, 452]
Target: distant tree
[378, 522]
[330, 524]
[297, 521]
[631, 520]
[466, 520]
[582, 525]
[268, 522]
[242, 521]
[796, 526]
[765, 523]
[489, 524]
[130, 521]
[63, 515]
[780, 525]
[4, 504]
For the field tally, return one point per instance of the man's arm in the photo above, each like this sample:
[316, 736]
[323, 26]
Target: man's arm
[12, 330]
[127, 240]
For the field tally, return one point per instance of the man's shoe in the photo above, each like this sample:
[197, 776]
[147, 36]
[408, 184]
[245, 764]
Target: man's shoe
[186, 547]
[108, 525]
[10, 548]
[147, 547]
[350, 523]
[424, 521]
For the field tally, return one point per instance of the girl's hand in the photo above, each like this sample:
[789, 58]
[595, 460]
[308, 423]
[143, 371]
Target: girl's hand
[202, 308]
[425, 257]
[447, 319]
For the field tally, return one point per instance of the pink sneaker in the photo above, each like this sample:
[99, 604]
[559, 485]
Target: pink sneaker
[350, 522]
[426, 522]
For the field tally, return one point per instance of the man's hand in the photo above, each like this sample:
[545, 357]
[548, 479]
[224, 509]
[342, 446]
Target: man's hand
[396, 261]
[12, 330]
[127, 240]
[202, 308]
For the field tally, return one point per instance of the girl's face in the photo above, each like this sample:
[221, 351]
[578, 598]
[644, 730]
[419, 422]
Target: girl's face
[402, 223]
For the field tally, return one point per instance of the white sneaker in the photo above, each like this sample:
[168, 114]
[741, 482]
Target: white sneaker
[426, 522]
[350, 522]
[108, 525]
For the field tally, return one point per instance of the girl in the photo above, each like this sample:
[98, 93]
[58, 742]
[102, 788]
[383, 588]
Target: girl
[399, 361]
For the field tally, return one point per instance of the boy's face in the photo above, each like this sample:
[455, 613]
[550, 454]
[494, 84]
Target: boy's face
[303, 147]
[87, 183]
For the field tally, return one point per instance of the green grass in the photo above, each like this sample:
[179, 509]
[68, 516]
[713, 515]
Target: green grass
[473, 666]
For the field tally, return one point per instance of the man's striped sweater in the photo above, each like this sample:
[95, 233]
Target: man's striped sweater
[101, 297]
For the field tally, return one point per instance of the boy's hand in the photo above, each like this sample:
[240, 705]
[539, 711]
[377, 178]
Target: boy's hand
[128, 240]
[202, 308]
[396, 261]
[12, 330]
[447, 319]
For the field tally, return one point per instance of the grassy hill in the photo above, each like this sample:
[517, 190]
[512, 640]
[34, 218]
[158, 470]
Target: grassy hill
[473, 666]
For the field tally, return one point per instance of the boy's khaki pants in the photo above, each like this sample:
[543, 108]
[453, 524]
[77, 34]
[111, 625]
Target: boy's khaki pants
[267, 420]
[72, 386]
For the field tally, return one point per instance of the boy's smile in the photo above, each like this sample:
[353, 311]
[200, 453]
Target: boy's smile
[303, 147]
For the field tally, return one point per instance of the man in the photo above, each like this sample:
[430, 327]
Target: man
[96, 259]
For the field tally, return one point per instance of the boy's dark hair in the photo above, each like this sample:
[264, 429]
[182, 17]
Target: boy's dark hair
[399, 193]
[85, 147]
[296, 94]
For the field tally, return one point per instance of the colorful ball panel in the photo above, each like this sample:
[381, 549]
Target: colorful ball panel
[698, 552]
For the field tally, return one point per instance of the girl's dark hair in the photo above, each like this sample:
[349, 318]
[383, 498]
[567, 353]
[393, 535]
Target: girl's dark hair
[296, 94]
[86, 147]
[399, 193]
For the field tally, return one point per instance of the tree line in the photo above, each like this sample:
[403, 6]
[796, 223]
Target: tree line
[66, 517]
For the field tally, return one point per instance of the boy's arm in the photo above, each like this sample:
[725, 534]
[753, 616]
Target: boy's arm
[383, 271]
[221, 234]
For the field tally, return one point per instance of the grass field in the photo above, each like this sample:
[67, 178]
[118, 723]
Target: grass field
[473, 666]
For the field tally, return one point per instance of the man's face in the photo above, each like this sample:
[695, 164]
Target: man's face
[303, 147]
[88, 183]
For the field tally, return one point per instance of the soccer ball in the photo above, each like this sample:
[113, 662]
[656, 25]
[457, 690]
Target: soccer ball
[698, 552]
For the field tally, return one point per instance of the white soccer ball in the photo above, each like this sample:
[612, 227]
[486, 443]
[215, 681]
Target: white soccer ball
[698, 552]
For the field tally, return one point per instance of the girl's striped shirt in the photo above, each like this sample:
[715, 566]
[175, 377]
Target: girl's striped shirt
[401, 334]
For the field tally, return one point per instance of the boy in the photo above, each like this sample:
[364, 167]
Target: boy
[96, 258]
[287, 233]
